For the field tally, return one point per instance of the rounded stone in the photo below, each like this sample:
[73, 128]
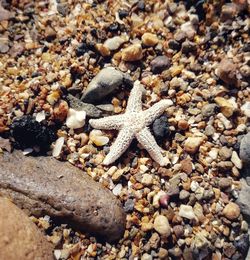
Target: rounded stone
[159, 64]
[161, 225]
[19, 236]
[132, 53]
[231, 211]
[149, 39]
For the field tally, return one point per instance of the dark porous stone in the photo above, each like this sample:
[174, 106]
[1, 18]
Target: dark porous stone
[19, 236]
[159, 64]
[160, 128]
[29, 133]
[44, 186]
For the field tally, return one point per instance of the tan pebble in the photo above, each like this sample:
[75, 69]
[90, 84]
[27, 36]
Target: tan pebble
[149, 39]
[161, 225]
[192, 144]
[147, 179]
[226, 107]
[97, 137]
[104, 51]
[186, 165]
[231, 211]
[132, 53]
[53, 97]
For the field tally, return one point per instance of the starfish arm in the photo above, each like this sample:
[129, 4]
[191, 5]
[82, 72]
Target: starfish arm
[108, 123]
[120, 145]
[146, 139]
[156, 110]
[135, 98]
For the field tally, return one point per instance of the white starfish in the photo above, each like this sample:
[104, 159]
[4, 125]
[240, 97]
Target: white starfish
[133, 124]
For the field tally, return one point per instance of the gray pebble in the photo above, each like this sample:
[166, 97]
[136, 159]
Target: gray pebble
[208, 110]
[159, 64]
[104, 83]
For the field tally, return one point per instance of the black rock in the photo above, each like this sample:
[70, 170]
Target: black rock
[123, 13]
[160, 128]
[174, 45]
[28, 133]
[159, 64]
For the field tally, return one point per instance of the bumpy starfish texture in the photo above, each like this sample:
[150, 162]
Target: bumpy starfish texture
[133, 124]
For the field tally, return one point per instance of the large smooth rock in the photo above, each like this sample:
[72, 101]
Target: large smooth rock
[43, 185]
[245, 149]
[19, 236]
[243, 200]
[103, 84]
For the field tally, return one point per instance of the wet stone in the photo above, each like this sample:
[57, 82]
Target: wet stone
[31, 182]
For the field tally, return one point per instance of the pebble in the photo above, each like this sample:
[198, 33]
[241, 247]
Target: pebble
[146, 256]
[186, 165]
[245, 149]
[184, 195]
[114, 43]
[225, 183]
[208, 110]
[231, 211]
[77, 104]
[58, 147]
[97, 137]
[209, 130]
[188, 46]
[192, 144]
[225, 153]
[245, 108]
[178, 231]
[159, 64]
[149, 39]
[183, 124]
[228, 11]
[227, 108]
[161, 225]
[104, 83]
[236, 160]
[4, 47]
[45, 181]
[129, 205]
[117, 189]
[186, 211]
[20, 238]
[164, 200]
[227, 71]
[147, 179]
[75, 119]
[132, 53]
[161, 128]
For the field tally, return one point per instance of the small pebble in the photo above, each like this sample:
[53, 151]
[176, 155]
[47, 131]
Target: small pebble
[192, 144]
[97, 137]
[161, 225]
[75, 119]
[186, 211]
[159, 64]
[149, 39]
[231, 211]
[132, 53]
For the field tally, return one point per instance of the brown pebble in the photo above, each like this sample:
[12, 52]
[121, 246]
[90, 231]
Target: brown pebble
[183, 124]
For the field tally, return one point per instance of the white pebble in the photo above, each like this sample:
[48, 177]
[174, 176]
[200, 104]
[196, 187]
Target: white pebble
[186, 211]
[161, 225]
[117, 189]
[236, 160]
[58, 147]
[75, 119]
